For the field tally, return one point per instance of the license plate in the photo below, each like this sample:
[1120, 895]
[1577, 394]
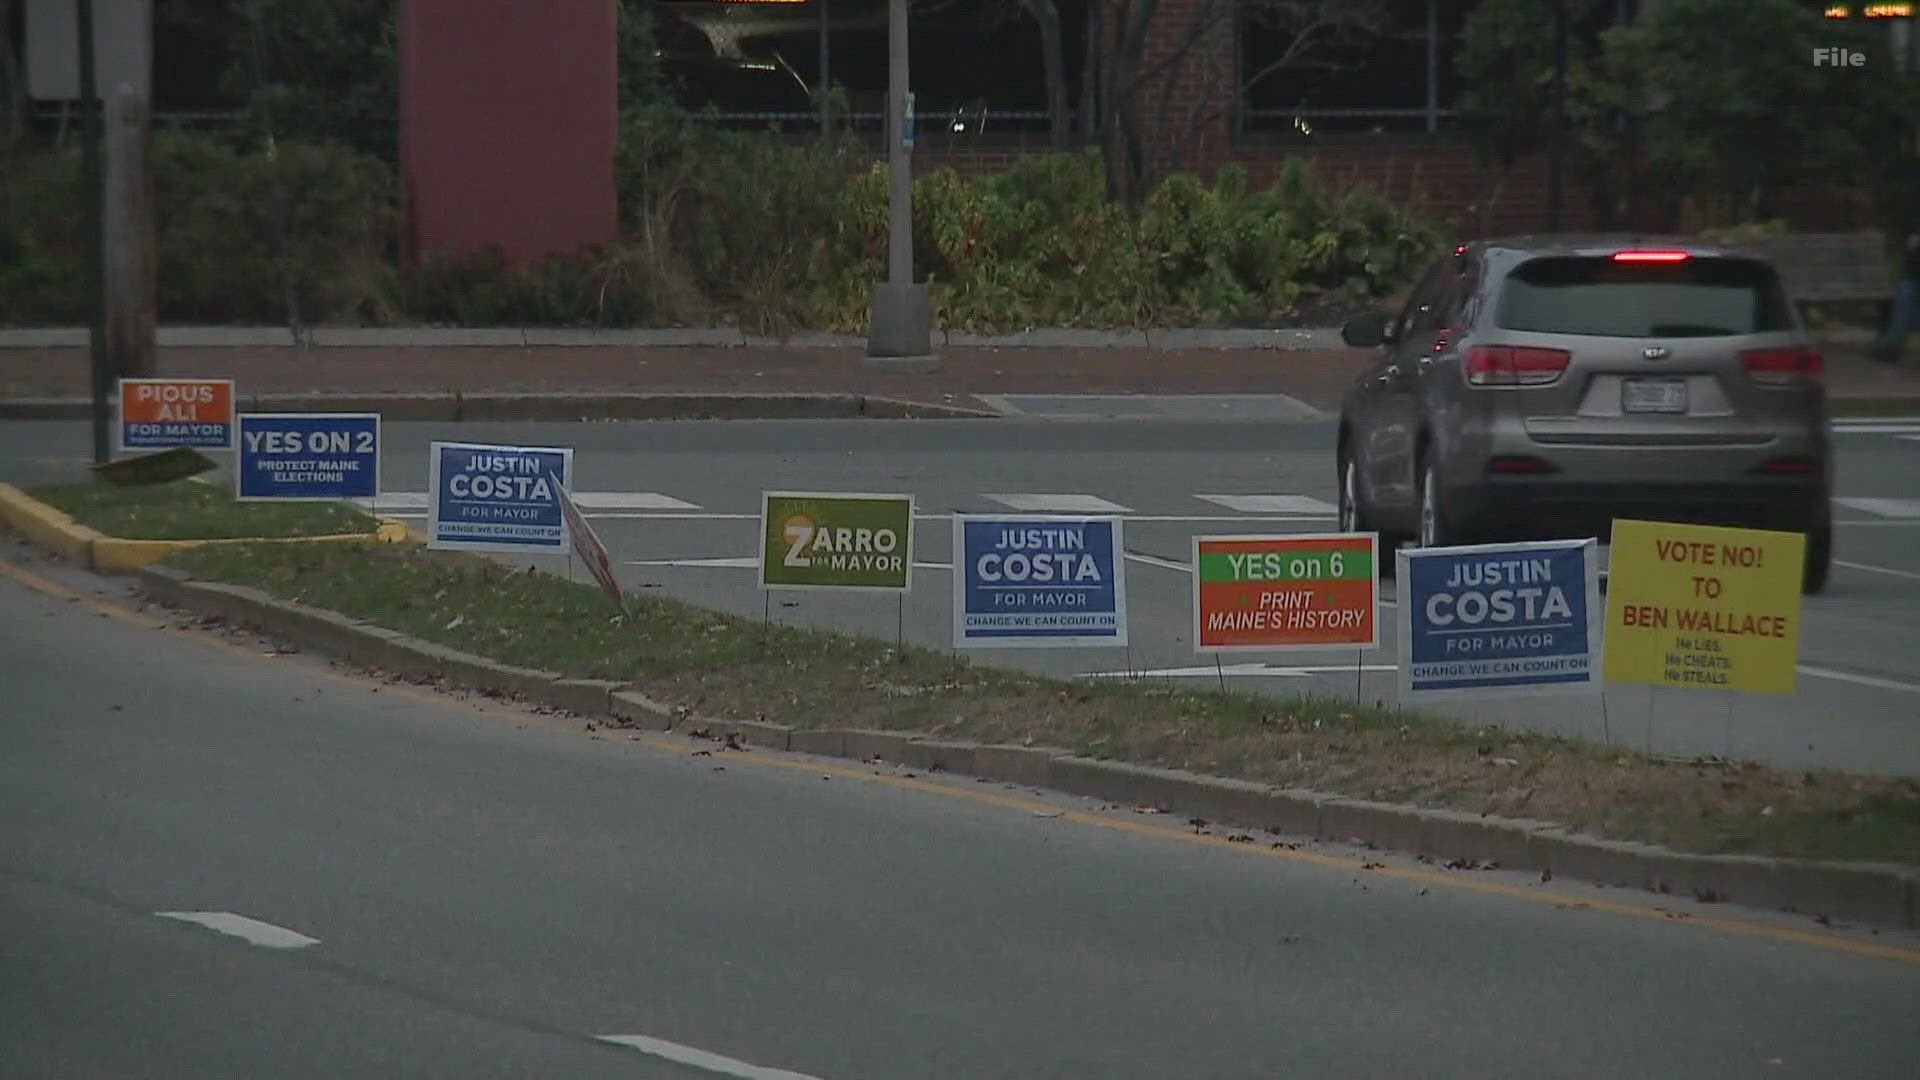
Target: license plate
[1653, 396]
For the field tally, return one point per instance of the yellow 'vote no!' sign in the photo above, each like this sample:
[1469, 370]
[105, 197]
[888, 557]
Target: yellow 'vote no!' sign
[1704, 608]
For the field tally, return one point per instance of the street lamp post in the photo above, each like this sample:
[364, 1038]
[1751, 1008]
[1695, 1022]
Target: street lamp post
[1557, 147]
[96, 232]
[900, 326]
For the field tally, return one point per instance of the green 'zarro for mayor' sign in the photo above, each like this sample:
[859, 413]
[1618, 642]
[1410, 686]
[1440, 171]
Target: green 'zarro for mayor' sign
[830, 540]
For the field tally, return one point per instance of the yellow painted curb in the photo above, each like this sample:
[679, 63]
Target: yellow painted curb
[46, 526]
[73, 541]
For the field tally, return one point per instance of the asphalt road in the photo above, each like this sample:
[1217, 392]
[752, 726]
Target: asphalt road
[677, 505]
[414, 885]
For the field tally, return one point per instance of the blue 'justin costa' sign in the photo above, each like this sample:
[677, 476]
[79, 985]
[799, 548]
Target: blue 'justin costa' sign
[293, 456]
[1500, 618]
[1020, 582]
[497, 498]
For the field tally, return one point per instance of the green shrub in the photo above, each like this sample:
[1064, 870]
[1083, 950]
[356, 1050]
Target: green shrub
[771, 232]
[601, 287]
[272, 233]
[43, 270]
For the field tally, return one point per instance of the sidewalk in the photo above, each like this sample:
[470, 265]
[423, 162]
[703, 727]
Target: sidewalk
[417, 373]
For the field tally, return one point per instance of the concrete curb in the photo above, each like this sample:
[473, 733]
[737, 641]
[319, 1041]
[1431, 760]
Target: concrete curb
[451, 407]
[46, 526]
[65, 337]
[1875, 894]
[60, 534]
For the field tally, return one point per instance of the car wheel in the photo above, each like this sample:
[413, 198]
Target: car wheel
[1435, 530]
[1819, 559]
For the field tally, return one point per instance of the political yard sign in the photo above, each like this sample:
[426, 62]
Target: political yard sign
[836, 540]
[1705, 608]
[158, 414]
[1021, 582]
[1286, 591]
[497, 498]
[295, 456]
[1500, 619]
[587, 545]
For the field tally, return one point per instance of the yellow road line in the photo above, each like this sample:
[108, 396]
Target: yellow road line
[1005, 801]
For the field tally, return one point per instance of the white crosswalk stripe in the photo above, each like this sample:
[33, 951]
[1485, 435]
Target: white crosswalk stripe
[1060, 504]
[587, 500]
[1273, 504]
[1892, 508]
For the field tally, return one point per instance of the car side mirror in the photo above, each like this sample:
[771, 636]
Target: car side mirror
[1365, 331]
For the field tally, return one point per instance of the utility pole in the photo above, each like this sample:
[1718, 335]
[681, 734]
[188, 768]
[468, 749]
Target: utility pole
[129, 259]
[900, 326]
[1557, 146]
[822, 82]
[96, 286]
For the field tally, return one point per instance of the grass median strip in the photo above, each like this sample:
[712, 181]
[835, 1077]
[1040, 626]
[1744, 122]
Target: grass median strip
[741, 668]
[191, 510]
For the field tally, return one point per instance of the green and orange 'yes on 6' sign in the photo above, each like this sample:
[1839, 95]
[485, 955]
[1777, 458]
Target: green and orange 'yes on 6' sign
[834, 540]
[1287, 591]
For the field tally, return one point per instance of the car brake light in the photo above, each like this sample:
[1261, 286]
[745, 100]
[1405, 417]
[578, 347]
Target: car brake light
[1510, 365]
[1786, 466]
[1650, 256]
[1783, 367]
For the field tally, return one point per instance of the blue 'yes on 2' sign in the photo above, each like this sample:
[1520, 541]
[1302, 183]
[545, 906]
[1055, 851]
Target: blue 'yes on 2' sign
[1021, 582]
[497, 498]
[297, 456]
[1500, 618]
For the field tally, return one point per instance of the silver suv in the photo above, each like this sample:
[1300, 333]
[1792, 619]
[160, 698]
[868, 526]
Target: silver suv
[1539, 387]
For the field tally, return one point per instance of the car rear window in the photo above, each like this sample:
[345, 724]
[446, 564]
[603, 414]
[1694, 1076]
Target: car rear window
[1704, 297]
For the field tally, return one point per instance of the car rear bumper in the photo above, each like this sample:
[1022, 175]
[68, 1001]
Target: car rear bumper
[1550, 507]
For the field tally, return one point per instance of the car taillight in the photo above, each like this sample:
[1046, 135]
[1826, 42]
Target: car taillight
[1509, 365]
[1785, 466]
[1783, 367]
[1650, 256]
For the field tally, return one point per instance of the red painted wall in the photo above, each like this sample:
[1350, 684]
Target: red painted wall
[507, 125]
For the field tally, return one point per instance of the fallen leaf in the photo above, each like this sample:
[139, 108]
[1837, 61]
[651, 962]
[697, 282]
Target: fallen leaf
[458, 621]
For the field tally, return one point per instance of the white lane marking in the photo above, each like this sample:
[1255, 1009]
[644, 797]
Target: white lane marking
[746, 562]
[1175, 519]
[1060, 503]
[252, 930]
[1908, 574]
[587, 500]
[1911, 438]
[1879, 524]
[1242, 669]
[1273, 504]
[701, 1059]
[630, 500]
[1849, 421]
[1892, 508]
[1876, 429]
[1859, 680]
[1155, 560]
[1300, 672]
[396, 500]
